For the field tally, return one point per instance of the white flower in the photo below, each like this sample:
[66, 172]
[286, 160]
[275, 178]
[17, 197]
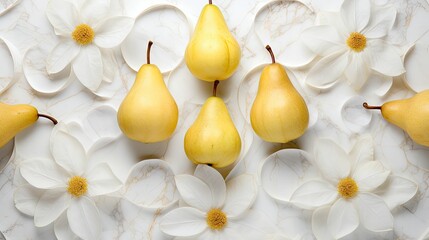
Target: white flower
[86, 30]
[354, 189]
[216, 209]
[351, 43]
[69, 186]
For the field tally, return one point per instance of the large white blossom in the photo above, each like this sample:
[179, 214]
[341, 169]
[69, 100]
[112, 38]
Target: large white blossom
[351, 44]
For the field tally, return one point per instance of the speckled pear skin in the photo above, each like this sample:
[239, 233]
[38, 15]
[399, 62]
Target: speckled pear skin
[14, 119]
[412, 115]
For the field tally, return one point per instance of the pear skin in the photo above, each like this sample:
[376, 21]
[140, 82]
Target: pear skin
[411, 115]
[149, 112]
[279, 113]
[212, 53]
[212, 138]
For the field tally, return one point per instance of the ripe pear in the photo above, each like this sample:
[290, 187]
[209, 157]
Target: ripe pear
[149, 112]
[212, 53]
[411, 114]
[279, 113]
[16, 118]
[213, 139]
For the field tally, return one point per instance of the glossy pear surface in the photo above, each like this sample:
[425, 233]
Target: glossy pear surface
[14, 119]
[213, 138]
[412, 115]
[212, 53]
[279, 113]
[148, 113]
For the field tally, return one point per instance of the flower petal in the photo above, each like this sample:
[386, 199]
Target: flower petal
[44, 174]
[84, 218]
[356, 14]
[61, 56]
[319, 223]
[62, 229]
[183, 222]
[357, 71]
[302, 55]
[370, 175]
[374, 214]
[63, 16]
[362, 152]
[241, 193]
[50, 206]
[194, 192]
[380, 22]
[384, 58]
[101, 180]
[94, 11]
[325, 73]
[68, 153]
[332, 161]
[113, 31]
[417, 66]
[215, 182]
[88, 67]
[397, 191]
[322, 39]
[26, 198]
[343, 218]
[313, 194]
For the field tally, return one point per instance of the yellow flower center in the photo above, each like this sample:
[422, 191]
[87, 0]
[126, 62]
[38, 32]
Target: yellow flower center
[356, 41]
[216, 219]
[347, 188]
[83, 34]
[77, 186]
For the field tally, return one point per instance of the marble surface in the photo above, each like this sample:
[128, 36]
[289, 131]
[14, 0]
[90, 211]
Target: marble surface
[334, 114]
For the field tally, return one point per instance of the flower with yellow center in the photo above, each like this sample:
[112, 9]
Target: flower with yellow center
[356, 41]
[215, 208]
[83, 34]
[347, 188]
[77, 186]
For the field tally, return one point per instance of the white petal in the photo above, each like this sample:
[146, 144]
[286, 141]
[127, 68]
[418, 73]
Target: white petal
[296, 54]
[44, 174]
[88, 67]
[113, 31]
[241, 193]
[215, 182]
[325, 73]
[194, 192]
[343, 218]
[319, 224]
[62, 229]
[354, 116]
[322, 39]
[26, 198]
[10, 64]
[84, 218]
[356, 14]
[63, 16]
[370, 175]
[362, 152]
[50, 206]
[417, 66]
[384, 58]
[61, 56]
[94, 11]
[332, 161]
[397, 191]
[101, 180]
[68, 153]
[183, 222]
[374, 214]
[380, 23]
[313, 194]
[357, 71]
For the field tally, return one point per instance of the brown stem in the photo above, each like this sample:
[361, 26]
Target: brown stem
[54, 121]
[209, 164]
[365, 105]
[215, 87]
[210, 2]
[273, 58]
[149, 45]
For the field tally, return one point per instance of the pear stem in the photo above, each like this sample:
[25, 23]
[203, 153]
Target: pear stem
[210, 2]
[273, 58]
[215, 87]
[365, 105]
[54, 121]
[149, 45]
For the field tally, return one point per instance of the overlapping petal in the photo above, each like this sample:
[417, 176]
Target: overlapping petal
[380, 23]
[50, 206]
[61, 56]
[356, 14]
[384, 58]
[313, 194]
[68, 153]
[45, 174]
[374, 213]
[357, 71]
[184, 222]
[241, 193]
[215, 182]
[332, 161]
[84, 218]
[342, 218]
[370, 175]
[113, 31]
[62, 229]
[397, 191]
[195, 192]
[101, 180]
[323, 39]
[325, 73]
[88, 67]
[63, 16]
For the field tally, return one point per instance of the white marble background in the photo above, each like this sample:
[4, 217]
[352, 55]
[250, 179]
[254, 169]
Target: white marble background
[255, 23]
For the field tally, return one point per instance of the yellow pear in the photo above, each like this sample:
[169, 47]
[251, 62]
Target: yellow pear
[148, 113]
[212, 53]
[15, 118]
[279, 113]
[411, 114]
[213, 139]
